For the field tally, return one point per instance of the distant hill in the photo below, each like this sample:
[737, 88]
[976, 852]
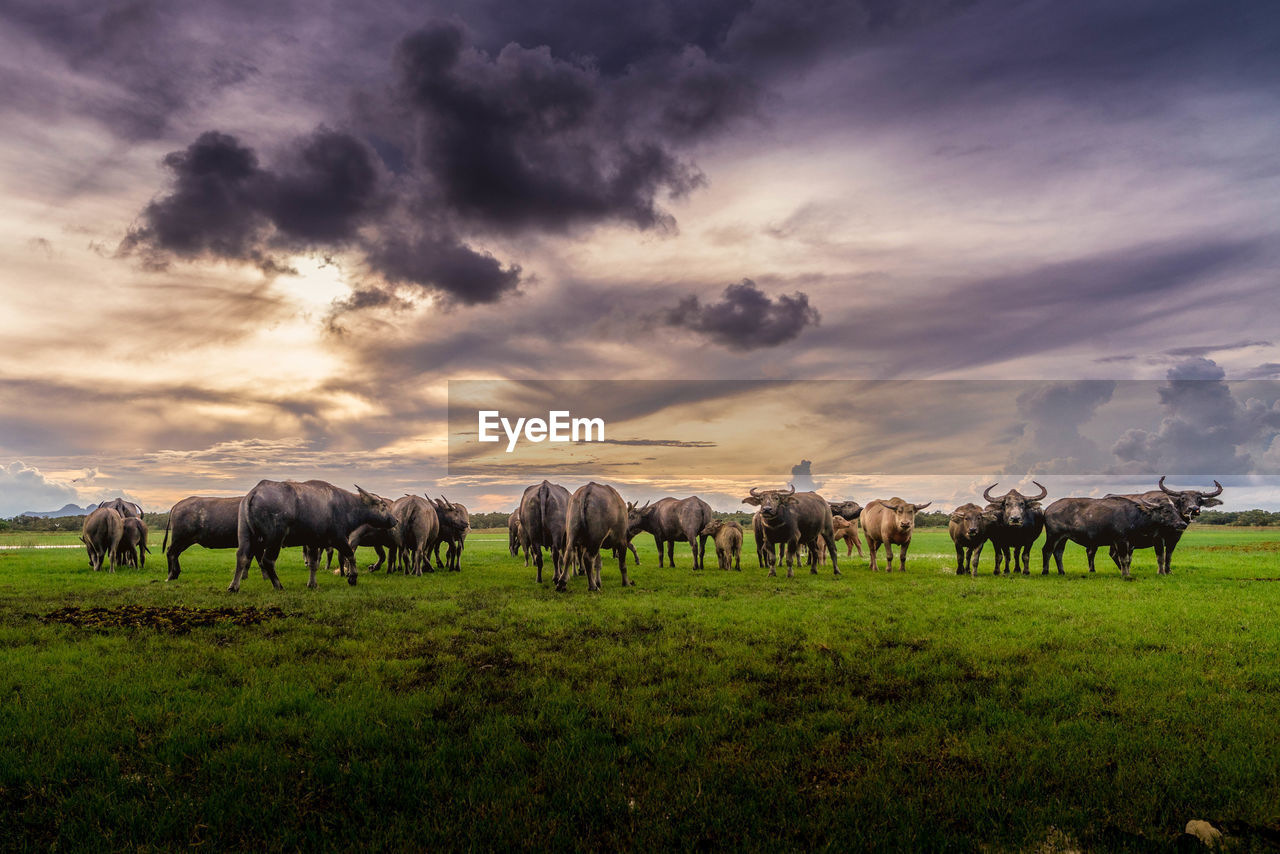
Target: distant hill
[69, 510]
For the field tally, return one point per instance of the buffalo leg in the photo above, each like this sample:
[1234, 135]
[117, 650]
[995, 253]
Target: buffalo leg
[671, 552]
[888, 557]
[537, 560]
[961, 562]
[1090, 552]
[242, 569]
[657, 541]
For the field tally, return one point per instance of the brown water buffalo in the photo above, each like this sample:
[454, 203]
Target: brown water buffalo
[794, 519]
[1017, 521]
[200, 521]
[890, 522]
[968, 529]
[1165, 539]
[133, 549]
[455, 524]
[103, 529]
[673, 520]
[1114, 522]
[312, 514]
[542, 523]
[596, 519]
[727, 535]
[843, 530]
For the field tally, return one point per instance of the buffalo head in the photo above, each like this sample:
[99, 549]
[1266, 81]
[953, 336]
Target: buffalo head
[1013, 506]
[771, 502]
[1189, 501]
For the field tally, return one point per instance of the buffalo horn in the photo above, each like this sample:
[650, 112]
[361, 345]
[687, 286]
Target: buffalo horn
[986, 493]
[1043, 492]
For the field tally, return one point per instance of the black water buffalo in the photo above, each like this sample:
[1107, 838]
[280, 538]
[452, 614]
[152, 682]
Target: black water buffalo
[454, 525]
[671, 521]
[1017, 522]
[1114, 522]
[200, 521]
[727, 535]
[133, 549]
[596, 519]
[417, 528]
[383, 543]
[847, 510]
[765, 555]
[103, 529]
[542, 523]
[968, 527]
[126, 509]
[794, 519]
[513, 536]
[312, 514]
[890, 522]
[1164, 540]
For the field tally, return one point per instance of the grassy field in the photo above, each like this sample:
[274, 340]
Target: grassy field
[711, 710]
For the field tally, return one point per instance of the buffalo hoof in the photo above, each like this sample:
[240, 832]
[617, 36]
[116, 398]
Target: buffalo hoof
[311, 585]
[351, 579]
[836, 572]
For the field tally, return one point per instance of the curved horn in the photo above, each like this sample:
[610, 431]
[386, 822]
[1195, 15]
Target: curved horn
[1217, 491]
[755, 493]
[1043, 492]
[1164, 488]
[919, 507]
[793, 489]
[986, 493]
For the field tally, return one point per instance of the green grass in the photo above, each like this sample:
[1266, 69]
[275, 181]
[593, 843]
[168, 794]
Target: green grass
[709, 710]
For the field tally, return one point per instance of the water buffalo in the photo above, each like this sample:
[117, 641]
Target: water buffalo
[103, 529]
[455, 524]
[1114, 522]
[847, 510]
[542, 523]
[765, 555]
[200, 521]
[126, 509]
[383, 543]
[1018, 521]
[727, 535]
[673, 520]
[513, 536]
[843, 530]
[596, 519]
[890, 522]
[133, 549]
[312, 513]
[1188, 502]
[794, 519]
[968, 528]
[417, 528]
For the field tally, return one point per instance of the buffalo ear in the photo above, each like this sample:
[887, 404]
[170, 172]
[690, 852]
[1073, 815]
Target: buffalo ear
[1210, 502]
[752, 500]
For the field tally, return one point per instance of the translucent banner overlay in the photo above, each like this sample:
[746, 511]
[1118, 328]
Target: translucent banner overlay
[630, 429]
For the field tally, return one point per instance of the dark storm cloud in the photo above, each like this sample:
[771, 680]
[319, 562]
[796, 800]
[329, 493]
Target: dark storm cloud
[525, 139]
[467, 275]
[225, 205]
[1049, 439]
[746, 318]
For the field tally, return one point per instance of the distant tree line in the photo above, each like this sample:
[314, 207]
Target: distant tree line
[155, 522]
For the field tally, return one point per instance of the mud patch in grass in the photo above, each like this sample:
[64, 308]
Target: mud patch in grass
[177, 620]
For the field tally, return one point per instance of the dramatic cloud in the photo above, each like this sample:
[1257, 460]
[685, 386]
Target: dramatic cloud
[746, 318]
[1051, 439]
[24, 488]
[1205, 428]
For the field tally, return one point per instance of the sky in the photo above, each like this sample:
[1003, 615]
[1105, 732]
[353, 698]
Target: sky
[245, 241]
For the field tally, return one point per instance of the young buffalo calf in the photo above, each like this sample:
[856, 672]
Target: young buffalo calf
[728, 539]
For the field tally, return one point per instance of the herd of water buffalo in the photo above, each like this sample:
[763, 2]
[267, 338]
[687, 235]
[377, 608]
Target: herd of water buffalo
[575, 528]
